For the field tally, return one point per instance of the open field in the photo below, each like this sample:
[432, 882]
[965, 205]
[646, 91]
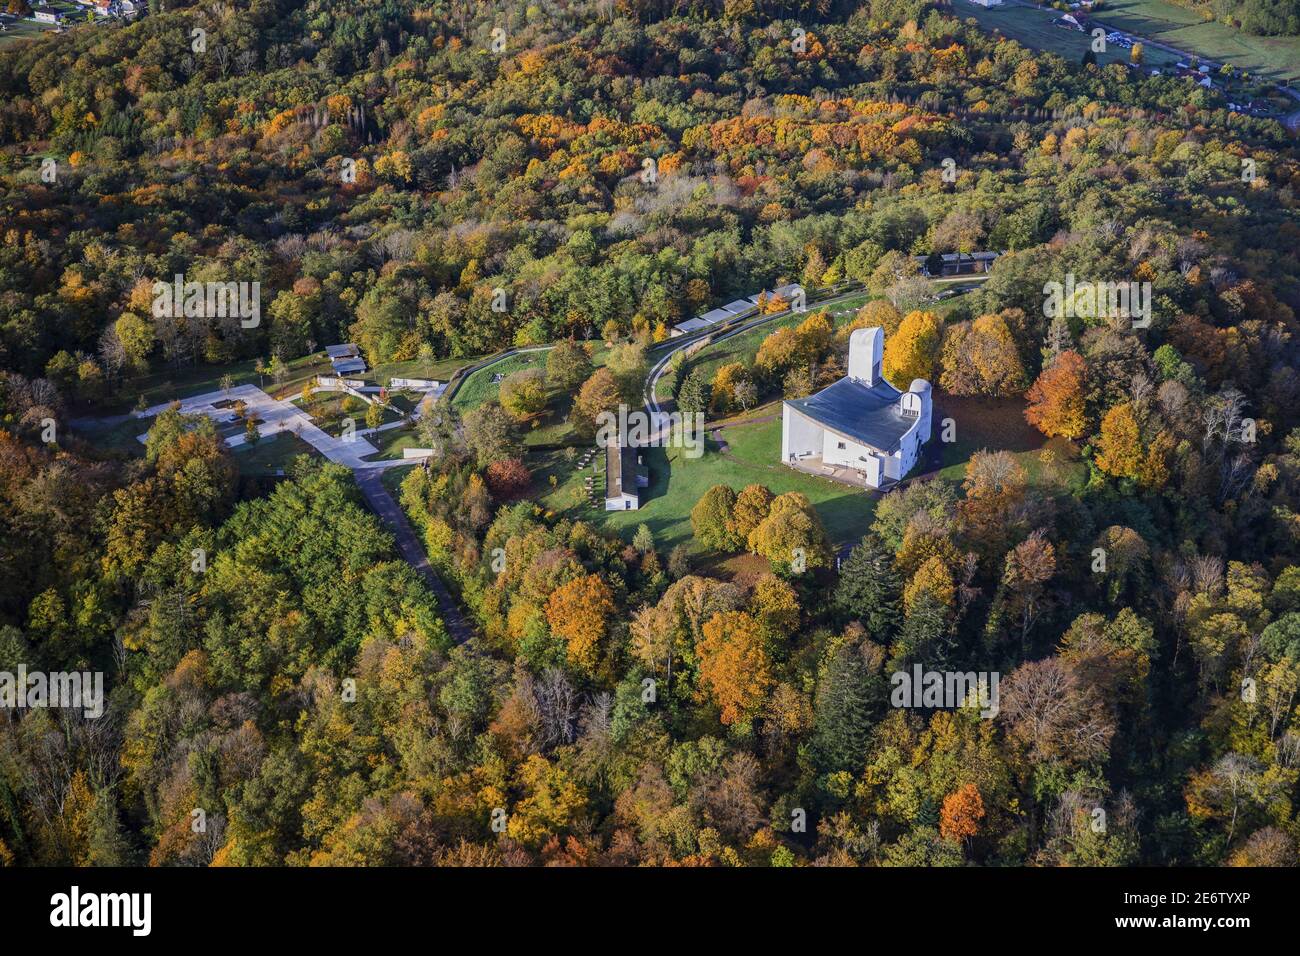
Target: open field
[16, 30]
[439, 369]
[1276, 58]
[1033, 27]
[1272, 58]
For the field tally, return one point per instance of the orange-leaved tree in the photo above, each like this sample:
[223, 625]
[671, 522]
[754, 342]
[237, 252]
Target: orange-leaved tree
[1057, 398]
[578, 612]
[734, 668]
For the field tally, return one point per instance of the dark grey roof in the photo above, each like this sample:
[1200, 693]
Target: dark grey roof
[346, 350]
[346, 366]
[867, 414]
[620, 470]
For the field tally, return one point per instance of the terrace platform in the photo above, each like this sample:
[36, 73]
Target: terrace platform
[815, 465]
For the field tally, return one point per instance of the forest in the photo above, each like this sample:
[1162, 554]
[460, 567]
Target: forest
[388, 173]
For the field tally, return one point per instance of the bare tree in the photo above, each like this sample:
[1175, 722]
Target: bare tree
[557, 704]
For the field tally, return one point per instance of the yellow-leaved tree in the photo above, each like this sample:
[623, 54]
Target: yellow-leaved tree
[913, 350]
[578, 612]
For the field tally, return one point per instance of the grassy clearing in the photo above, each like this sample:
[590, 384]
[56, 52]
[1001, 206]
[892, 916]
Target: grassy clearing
[270, 455]
[678, 482]
[391, 443]
[481, 387]
[1033, 28]
[17, 30]
[1276, 58]
[999, 424]
[439, 369]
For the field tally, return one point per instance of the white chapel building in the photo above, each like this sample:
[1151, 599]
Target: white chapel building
[861, 429]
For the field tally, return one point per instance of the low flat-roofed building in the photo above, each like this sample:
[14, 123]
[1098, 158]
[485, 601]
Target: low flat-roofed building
[739, 307]
[349, 366]
[689, 326]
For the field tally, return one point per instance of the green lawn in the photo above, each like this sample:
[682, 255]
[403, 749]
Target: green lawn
[1274, 58]
[390, 443]
[678, 482]
[439, 369]
[271, 454]
[1033, 28]
[1277, 58]
[17, 30]
[480, 387]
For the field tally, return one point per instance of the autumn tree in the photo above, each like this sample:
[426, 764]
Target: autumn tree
[523, 393]
[1058, 398]
[963, 809]
[579, 612]
[913, 351]
[735, 672]
[713, 519]
[599, 394]
[489, 432]
[877, 313]
[981, 358]
[1122, 451]
[752, 505]
[568, 365]
[1056, 714]
[791, 536]
[725, 381]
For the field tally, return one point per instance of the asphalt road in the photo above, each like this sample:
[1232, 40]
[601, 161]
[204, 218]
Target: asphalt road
[370, 481]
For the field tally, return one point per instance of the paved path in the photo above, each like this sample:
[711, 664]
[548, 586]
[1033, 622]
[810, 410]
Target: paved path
[280, 415]
[277, 416]
[370, 481]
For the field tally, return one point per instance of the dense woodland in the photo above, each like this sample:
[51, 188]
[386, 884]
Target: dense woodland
[624, 705]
